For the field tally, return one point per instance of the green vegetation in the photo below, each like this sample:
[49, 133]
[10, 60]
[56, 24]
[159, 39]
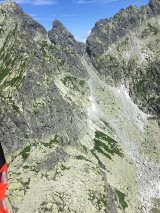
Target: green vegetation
[105, 143]
[100, 201]
[140, 86]
[12, 68]
[67, 79]
[73, 81]
[155, 210]
[44, 207]
[121, 199]
[43, 47]
[81, 157]
[63, 167]
[15, 108]
[51, 142]
[26, 167]
[82, 83]
[153, 29]
[3, 12]
[25, 184]
[25, 152]
[99, 162]
[107, 124]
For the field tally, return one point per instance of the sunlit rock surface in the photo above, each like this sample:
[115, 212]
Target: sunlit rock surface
[71, 127]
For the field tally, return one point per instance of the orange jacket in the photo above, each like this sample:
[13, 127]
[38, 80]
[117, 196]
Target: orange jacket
[3, 188]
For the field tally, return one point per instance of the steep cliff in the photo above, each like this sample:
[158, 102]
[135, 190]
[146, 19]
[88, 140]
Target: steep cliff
[125, 50]
[74, 139]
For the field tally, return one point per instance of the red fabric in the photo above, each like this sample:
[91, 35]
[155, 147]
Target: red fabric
[3, 208]
[4, 168]
[3, 188]
[3, 181]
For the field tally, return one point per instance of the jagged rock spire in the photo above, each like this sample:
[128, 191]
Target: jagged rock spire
[60, 35]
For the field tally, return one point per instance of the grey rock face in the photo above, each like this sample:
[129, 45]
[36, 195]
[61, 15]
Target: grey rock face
[60, 35]
[125, 49]
[33, 106]
[15, 12]
[73, 142]
[155, 6]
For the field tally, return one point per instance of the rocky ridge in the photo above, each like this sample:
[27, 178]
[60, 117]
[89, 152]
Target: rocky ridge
[75, 141]
[125, 50]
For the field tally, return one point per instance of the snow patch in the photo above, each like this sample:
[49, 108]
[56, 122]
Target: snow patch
[93, 108]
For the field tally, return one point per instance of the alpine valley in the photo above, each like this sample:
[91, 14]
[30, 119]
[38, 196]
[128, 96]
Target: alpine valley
[79, 123]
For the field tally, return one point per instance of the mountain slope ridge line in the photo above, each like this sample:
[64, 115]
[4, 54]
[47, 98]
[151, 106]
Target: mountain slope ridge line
[80, 124]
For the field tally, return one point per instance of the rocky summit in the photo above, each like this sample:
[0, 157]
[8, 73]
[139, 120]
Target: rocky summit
[80, 122]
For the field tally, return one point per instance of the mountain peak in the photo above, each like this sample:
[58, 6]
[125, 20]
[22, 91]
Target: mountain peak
[15, 15]
[57, 23]
[60, 35]
[11, 6]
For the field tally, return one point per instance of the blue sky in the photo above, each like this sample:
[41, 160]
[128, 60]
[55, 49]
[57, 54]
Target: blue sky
[78, 16]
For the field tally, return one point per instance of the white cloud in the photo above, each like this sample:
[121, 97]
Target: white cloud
[93, 1]
[36, 2]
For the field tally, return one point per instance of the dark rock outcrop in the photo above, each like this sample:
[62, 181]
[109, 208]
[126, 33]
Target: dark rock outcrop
[60, 35]
[15, 12]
